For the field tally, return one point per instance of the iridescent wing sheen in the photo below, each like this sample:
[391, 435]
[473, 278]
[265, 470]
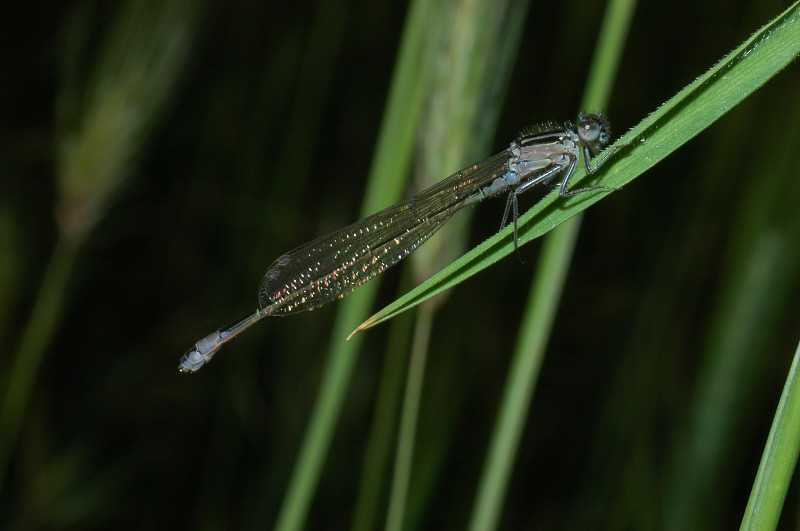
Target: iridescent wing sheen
[334, 265]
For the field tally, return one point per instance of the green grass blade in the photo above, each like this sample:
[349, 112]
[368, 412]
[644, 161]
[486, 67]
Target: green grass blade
[779, 460]
[677, 121]
[407, 430]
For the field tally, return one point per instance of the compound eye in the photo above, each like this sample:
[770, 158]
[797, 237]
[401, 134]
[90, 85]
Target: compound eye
[589, 129]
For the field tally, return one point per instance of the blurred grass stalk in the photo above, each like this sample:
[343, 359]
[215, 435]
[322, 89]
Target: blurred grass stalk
[385, 186]
[469, 58]
[105, 117]
[543, 298]
[453, 69]
[754, 292]
[779, 460]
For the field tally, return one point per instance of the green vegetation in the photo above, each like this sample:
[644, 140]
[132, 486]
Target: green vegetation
[159, 156]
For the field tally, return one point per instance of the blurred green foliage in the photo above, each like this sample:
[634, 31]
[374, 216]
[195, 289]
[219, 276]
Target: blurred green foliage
[157, 157]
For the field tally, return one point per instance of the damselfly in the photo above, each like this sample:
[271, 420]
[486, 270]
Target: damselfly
[332, 266]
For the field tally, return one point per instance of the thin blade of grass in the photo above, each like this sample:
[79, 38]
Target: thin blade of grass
[677, 121]
[779, 459]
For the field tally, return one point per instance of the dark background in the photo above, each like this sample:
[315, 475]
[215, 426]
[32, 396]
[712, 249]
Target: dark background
[112, 435]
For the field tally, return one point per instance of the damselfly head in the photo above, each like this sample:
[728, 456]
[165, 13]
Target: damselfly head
[594, 132]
